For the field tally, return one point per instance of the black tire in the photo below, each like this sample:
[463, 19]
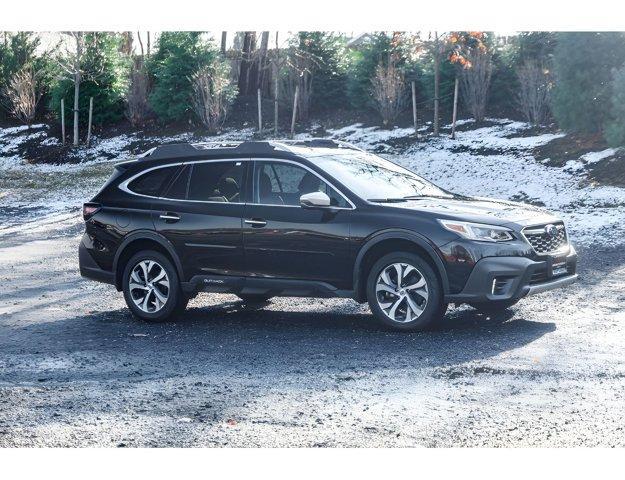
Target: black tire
[434, 307]
[254, 298]
[496, 306]
[175, 302]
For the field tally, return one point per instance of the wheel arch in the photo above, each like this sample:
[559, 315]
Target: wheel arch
[389, 241]
[143, 240]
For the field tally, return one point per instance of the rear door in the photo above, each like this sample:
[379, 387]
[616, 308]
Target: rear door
[201, 213]
[284, 240]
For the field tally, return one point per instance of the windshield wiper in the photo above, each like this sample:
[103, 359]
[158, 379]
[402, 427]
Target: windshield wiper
[415, 197]
[387, 200]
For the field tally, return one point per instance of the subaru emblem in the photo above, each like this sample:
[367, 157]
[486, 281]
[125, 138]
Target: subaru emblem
[551, 230]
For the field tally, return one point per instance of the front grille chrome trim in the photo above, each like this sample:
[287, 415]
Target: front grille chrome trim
[543, 246]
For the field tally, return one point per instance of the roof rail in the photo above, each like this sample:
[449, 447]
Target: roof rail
[170, 151]
[177, 150]
[319, 143]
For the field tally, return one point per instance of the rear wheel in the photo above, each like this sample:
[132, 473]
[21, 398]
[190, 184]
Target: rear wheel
[152, 288]
[404, 292]
[252, 298]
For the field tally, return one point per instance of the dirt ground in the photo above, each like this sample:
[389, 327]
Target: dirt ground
[77, 370]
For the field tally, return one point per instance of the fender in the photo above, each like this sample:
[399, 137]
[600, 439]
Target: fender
[400, 234]
[154, 236]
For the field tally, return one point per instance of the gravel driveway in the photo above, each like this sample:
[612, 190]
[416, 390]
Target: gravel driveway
[77, 370]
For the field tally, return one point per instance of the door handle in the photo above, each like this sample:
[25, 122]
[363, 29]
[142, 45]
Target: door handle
[256, 222]
[169, 217]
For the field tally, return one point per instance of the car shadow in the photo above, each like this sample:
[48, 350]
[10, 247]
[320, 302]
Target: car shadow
[240, 336]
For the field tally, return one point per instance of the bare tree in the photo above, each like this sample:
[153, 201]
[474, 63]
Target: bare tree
[299, 64]
[22, 95]
[389, 93]
[139, 87]
[475, 81]
[533, 95]
[138, 93]
[72, 64]
[213, 93]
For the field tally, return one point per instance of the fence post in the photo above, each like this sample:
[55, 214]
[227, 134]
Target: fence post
[414, 106]
[260, 113]
[294, 110]
[63, 120]
[455, 111]
[90, 118]
[275, 102]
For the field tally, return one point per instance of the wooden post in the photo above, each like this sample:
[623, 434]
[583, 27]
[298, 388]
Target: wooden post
[224, 38]
[63, 120]
[294, 110]
[260, 113]
[437, 68]
[275, 101]
[90, 118]
[276, 70]
[455, 111]
[414, 106]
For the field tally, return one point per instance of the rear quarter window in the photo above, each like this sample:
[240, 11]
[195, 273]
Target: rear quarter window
[153, 182]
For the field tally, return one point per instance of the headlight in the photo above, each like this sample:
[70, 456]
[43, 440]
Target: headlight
[478, 231]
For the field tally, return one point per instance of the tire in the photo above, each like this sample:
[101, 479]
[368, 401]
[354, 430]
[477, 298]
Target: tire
[154, 309]
[253, 298]
[390, 303]
[496, 306]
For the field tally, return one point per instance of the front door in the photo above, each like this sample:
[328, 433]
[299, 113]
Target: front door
[200, 214]
[284, 240]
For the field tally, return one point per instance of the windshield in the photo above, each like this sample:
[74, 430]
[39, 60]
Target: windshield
[375, 179]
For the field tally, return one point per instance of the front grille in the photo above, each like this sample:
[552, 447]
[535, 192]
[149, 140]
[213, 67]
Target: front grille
[544, 242]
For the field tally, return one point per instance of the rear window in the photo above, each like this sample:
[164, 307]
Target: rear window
[153, 182]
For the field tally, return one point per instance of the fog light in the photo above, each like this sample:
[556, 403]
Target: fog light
[501, 285]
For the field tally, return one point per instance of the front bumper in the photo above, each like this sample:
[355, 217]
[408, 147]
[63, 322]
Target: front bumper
[512, 278]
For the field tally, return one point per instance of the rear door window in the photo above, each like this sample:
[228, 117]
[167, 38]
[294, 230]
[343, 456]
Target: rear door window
[217, 182]
[180, 185]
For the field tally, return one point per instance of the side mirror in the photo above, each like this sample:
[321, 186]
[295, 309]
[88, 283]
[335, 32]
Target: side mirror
[314, 200]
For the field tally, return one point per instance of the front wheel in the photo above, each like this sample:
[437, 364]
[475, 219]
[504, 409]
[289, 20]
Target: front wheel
[152, 288]
[404, 292]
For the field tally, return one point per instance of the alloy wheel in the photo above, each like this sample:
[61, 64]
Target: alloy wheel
[402, 292]
[149, 286]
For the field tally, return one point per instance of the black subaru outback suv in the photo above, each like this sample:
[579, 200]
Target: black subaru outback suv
[313, 218]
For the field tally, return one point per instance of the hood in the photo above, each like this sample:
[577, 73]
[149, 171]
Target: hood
[480, 210]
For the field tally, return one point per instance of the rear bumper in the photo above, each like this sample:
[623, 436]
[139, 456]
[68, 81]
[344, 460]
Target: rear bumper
[90, 269]
[512, 278]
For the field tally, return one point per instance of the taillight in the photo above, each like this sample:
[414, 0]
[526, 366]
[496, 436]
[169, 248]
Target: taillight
[89, 210]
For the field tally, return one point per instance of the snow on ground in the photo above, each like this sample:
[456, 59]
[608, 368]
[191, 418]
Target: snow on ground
[492, 161]
[496, 161]
[43, 193]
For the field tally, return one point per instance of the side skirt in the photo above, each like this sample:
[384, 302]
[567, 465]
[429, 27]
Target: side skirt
[263, 286]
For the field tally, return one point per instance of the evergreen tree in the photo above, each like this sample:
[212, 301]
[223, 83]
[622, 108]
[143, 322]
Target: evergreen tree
[178, 57]
[615, 125]
[17, 50]
[364, 60]
[583, 64]
[105, 78]
[329, 69]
